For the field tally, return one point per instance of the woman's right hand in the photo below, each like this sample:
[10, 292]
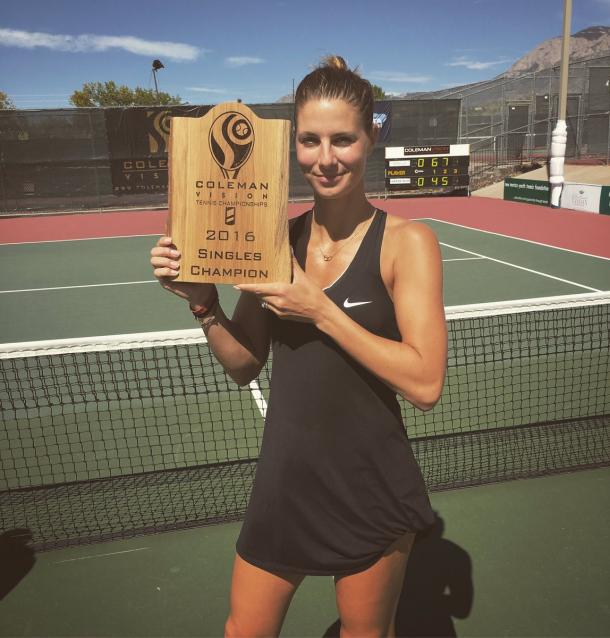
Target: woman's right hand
[165, 260]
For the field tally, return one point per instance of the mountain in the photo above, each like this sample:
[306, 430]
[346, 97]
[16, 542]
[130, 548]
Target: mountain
[589, 43]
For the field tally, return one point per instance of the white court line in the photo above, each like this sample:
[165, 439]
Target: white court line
[258, 397]
[529, 241]
[463, 259]
[61, 241]
[127, 551]
[118, 283]
[508, 263]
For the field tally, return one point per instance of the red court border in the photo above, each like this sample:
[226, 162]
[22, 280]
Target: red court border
[583, 232]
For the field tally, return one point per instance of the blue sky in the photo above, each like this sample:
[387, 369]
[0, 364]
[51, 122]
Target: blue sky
[218, 51]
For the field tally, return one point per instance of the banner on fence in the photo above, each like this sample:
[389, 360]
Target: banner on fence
[604, 204]
[583, 197]
[137, 142]
[527, 190]
[382, 118]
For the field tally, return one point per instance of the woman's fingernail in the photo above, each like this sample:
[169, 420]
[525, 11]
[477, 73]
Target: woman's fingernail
[175, 253]
[175, 265]
[237, 287]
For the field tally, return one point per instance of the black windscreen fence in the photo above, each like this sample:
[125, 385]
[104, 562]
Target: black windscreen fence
[116, 158]
[82, 159]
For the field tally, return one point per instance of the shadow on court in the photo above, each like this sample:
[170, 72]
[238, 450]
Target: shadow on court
[16, 558]
[438, 587]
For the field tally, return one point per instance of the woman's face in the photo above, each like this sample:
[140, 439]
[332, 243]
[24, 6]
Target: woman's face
[332, 146]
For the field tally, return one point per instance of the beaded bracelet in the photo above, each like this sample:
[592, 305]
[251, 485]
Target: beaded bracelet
[201, 310]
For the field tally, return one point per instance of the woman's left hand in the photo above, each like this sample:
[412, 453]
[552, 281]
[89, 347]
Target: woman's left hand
[302, 300]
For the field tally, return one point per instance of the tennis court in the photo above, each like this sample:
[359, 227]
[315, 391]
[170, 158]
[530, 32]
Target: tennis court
[103, 285]
[120, 424]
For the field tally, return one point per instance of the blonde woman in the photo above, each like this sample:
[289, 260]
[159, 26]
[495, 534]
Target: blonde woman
[337, 489]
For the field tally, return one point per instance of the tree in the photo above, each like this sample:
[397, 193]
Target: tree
[5, 101]
[378, 92]
[109, 94]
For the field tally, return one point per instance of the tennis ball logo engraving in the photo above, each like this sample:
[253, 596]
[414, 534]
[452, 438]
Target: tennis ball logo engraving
[231, 141]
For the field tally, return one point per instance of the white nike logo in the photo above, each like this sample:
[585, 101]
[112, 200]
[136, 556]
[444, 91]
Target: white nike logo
[350, 304]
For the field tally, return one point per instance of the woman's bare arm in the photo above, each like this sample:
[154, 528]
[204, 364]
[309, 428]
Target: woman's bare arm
[241, 344]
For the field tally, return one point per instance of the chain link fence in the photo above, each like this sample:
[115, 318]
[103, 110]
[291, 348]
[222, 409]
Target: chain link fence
[102, 159]
[509, 121]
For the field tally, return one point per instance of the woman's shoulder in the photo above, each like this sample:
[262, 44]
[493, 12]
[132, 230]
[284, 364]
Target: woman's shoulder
[401, 233]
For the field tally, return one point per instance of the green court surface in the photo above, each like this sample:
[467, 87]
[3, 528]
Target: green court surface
[523, 558]
[105, 286]
[527, 556]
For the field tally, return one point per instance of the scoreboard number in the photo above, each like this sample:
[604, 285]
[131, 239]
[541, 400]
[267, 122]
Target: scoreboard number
[427, 167]
[427, 181]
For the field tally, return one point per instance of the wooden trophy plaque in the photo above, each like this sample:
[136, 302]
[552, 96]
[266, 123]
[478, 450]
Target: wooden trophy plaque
[228, 196]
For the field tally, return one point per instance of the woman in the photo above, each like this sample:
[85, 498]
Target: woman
[337, 489]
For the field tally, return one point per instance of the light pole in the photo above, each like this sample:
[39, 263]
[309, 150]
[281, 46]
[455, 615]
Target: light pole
[559, 137]
[156, 65]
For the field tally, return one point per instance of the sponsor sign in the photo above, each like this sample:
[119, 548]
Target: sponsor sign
[137, 142]
[584, 197]
[382, 118]
[527, 190]
[400, 152]
[604, 204]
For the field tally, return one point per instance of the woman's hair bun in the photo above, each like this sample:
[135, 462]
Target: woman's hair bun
[334, 62]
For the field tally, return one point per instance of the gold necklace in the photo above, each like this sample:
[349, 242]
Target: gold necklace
[345, 243]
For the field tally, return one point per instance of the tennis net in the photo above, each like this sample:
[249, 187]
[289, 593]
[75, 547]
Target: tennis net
[112, 437]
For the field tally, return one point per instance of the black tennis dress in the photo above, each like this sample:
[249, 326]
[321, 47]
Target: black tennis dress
[336, 481]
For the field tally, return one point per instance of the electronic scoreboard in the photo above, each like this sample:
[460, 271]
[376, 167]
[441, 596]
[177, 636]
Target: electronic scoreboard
[427, 167]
